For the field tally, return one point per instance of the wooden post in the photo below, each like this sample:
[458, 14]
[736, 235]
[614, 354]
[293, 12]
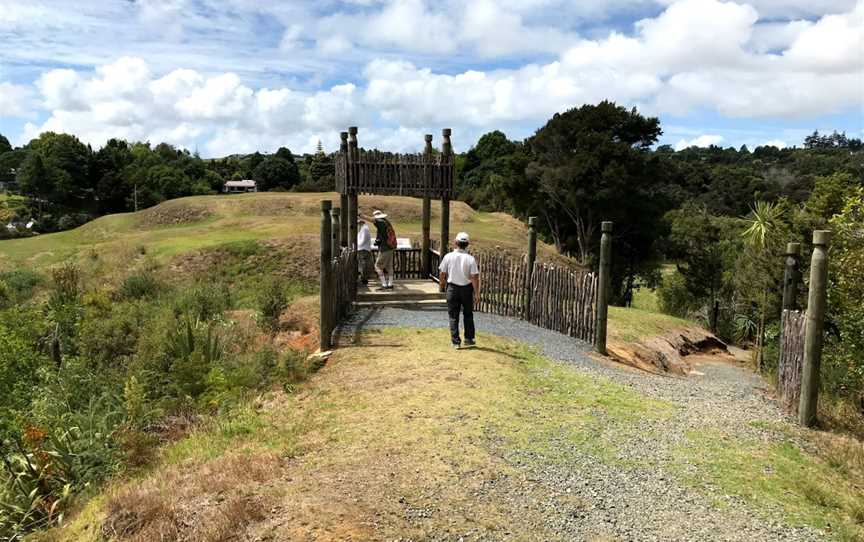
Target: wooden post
[532, 257]
[425, 246]
[342, 171]
[603, 287]
[445, 225]
[336, 231]
[447, 152]
[791, 276]
[343, 220]
[326, 286]
[813, 333]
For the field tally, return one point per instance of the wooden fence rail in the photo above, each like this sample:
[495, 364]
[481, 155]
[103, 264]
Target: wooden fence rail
[791, 359]
[344, 277]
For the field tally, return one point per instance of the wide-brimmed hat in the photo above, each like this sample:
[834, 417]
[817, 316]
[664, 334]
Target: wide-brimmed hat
[379, 214]
[462, 237]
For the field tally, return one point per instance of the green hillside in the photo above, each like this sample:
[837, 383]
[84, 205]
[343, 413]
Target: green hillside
[187, 224]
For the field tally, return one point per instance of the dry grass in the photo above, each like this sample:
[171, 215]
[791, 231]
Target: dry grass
[212, 502]
[397, 436]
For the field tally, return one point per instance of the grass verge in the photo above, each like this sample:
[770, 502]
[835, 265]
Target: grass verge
[824, 490]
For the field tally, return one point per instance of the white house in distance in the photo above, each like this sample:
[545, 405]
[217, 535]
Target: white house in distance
[234, 187]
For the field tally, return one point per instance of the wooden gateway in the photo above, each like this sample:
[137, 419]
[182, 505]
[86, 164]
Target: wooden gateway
[425, 175]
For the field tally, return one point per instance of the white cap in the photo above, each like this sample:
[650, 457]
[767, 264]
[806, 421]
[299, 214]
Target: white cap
[379, 214]
[462, 237]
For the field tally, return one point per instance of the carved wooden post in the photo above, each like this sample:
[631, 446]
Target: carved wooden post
[532, 257]
[345, 220]
[447, 152]
[427, 212]
[326, 285]
[813, 333]
[791, 276]
[603, 286]
[353, 201]
[791, 279]
[336, 231]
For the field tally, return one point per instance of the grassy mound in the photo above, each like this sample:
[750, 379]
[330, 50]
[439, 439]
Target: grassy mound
[185, 225]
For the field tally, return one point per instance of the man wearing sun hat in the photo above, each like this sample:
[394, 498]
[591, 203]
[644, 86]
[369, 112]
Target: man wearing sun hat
[386, 242]
[459, 272]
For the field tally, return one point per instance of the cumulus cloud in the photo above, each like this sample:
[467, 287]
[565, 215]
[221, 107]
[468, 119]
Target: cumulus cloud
[694, 55]
[702, 141]
[125, 99]
[15, 100]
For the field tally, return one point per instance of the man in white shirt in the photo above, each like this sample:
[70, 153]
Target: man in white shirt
[364, 251]
[461, 278]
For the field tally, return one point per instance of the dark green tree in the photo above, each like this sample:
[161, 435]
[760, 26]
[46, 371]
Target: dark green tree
[5, 146]
[704, 248]
[591, 164]
[273, 172]
[65, 161]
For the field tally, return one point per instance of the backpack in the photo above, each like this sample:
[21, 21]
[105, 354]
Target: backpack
[391, 236]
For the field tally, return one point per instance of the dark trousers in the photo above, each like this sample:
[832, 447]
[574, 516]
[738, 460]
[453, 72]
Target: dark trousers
[461, 298]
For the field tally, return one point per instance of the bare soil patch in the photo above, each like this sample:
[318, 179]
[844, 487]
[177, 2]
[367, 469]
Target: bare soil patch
[672, 352]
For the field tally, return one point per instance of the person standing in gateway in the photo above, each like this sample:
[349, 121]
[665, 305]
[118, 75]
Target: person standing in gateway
[386, 241]
[364, 251]
[461, 278]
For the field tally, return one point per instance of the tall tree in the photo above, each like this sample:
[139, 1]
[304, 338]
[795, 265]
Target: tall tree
[5, 146]
[273, 172]
[592, 164]
[66, 163]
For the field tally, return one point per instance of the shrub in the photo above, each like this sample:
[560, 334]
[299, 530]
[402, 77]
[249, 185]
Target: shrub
[21, 283]
[674, 297]
[108, 338]
[44, 469]
[272, 301]
[204, 302]
[138, 285]
[5, 295]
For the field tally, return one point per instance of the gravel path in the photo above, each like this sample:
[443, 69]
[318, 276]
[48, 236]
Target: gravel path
[644, 502]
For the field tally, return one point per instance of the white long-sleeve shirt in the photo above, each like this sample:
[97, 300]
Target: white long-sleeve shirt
[364, 238]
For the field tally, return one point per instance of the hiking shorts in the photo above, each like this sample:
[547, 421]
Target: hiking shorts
[384, 263]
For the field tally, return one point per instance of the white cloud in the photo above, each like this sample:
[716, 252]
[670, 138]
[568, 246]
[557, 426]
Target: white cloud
[695, 55]
[15, 100]
[780, 144]
[702, 141]
[125, 99]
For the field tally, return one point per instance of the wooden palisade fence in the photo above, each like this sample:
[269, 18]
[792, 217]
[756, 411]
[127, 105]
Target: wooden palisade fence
[791, 359]
[562, 300]
[801, 332]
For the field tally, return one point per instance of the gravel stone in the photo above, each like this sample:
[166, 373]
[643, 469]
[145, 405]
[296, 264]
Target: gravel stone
[644, 500]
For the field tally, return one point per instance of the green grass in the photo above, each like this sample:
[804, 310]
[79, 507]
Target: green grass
[632, 324]
[778, 475]
[400, 414]
[240, 218]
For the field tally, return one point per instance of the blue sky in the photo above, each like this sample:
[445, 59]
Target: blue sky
[232, 76]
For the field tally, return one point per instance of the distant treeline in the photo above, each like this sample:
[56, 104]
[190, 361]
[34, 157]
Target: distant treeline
[68, 183]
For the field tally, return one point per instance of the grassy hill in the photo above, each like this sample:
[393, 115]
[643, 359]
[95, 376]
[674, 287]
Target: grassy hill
[187, 224]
